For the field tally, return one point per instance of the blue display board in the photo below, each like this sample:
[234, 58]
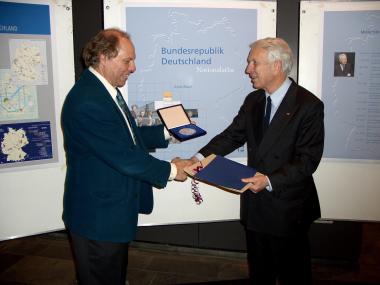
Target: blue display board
[35, 76]
[352, 95]
[339, 61]
[198, 57]
[27, 94]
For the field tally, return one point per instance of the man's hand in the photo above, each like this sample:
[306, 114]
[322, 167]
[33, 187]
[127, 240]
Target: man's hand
[181, 164]
[194, 160]
[257, 183]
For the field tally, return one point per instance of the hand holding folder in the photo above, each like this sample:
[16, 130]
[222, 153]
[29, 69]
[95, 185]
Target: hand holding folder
[221, 172]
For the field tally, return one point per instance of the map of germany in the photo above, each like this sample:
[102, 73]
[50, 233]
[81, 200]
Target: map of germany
[12, 144]
[25, 142]
[17, 102]
[18, 85]
[28, 61]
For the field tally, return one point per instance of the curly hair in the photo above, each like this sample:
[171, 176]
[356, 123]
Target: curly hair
[106, 42]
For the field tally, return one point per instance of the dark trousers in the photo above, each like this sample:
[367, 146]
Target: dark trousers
[99, 263]
[285, 259]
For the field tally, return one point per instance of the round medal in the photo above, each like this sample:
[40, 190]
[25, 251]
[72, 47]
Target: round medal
[187, 131]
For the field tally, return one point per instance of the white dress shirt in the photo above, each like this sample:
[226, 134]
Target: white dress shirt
[113, 92]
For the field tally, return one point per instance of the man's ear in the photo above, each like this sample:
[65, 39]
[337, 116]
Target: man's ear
[102, 58]
[277, 66]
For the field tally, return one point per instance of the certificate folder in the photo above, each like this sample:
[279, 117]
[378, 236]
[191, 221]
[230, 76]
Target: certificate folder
[221, 172]
[178, 123]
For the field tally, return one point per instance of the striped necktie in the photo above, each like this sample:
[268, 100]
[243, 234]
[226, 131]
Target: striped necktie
[123, 105]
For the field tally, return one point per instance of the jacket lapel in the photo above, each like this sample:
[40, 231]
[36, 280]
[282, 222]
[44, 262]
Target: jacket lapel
[112, 103]
[257, 117]
[284, 114]
[125, 124]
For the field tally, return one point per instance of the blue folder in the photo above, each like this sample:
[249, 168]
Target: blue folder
[225, 173]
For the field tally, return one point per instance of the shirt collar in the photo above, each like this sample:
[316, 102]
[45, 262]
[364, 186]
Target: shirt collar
[280, 93]
[111, 90]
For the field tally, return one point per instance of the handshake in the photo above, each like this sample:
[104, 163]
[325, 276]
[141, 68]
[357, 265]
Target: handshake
[181, 164]
[255, 183]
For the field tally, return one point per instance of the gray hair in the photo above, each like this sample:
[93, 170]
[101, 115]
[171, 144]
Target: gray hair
[342, 55]
[277, 49]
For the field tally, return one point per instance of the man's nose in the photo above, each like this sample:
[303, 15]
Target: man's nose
[132, 67]
[248, 69]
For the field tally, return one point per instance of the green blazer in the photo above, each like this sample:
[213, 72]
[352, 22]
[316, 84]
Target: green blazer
[109, 179]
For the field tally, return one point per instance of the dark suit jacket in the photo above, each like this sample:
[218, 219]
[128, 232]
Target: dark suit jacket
[109, 179]
[288, 153]
[347, 70]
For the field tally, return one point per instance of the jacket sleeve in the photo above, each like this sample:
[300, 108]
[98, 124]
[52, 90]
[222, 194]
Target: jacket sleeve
[233, 137]
[97, 130]
[153, 136]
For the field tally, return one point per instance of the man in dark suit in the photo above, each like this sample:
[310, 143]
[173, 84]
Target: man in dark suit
[343, 67]
[284, 139]
[110, 172]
